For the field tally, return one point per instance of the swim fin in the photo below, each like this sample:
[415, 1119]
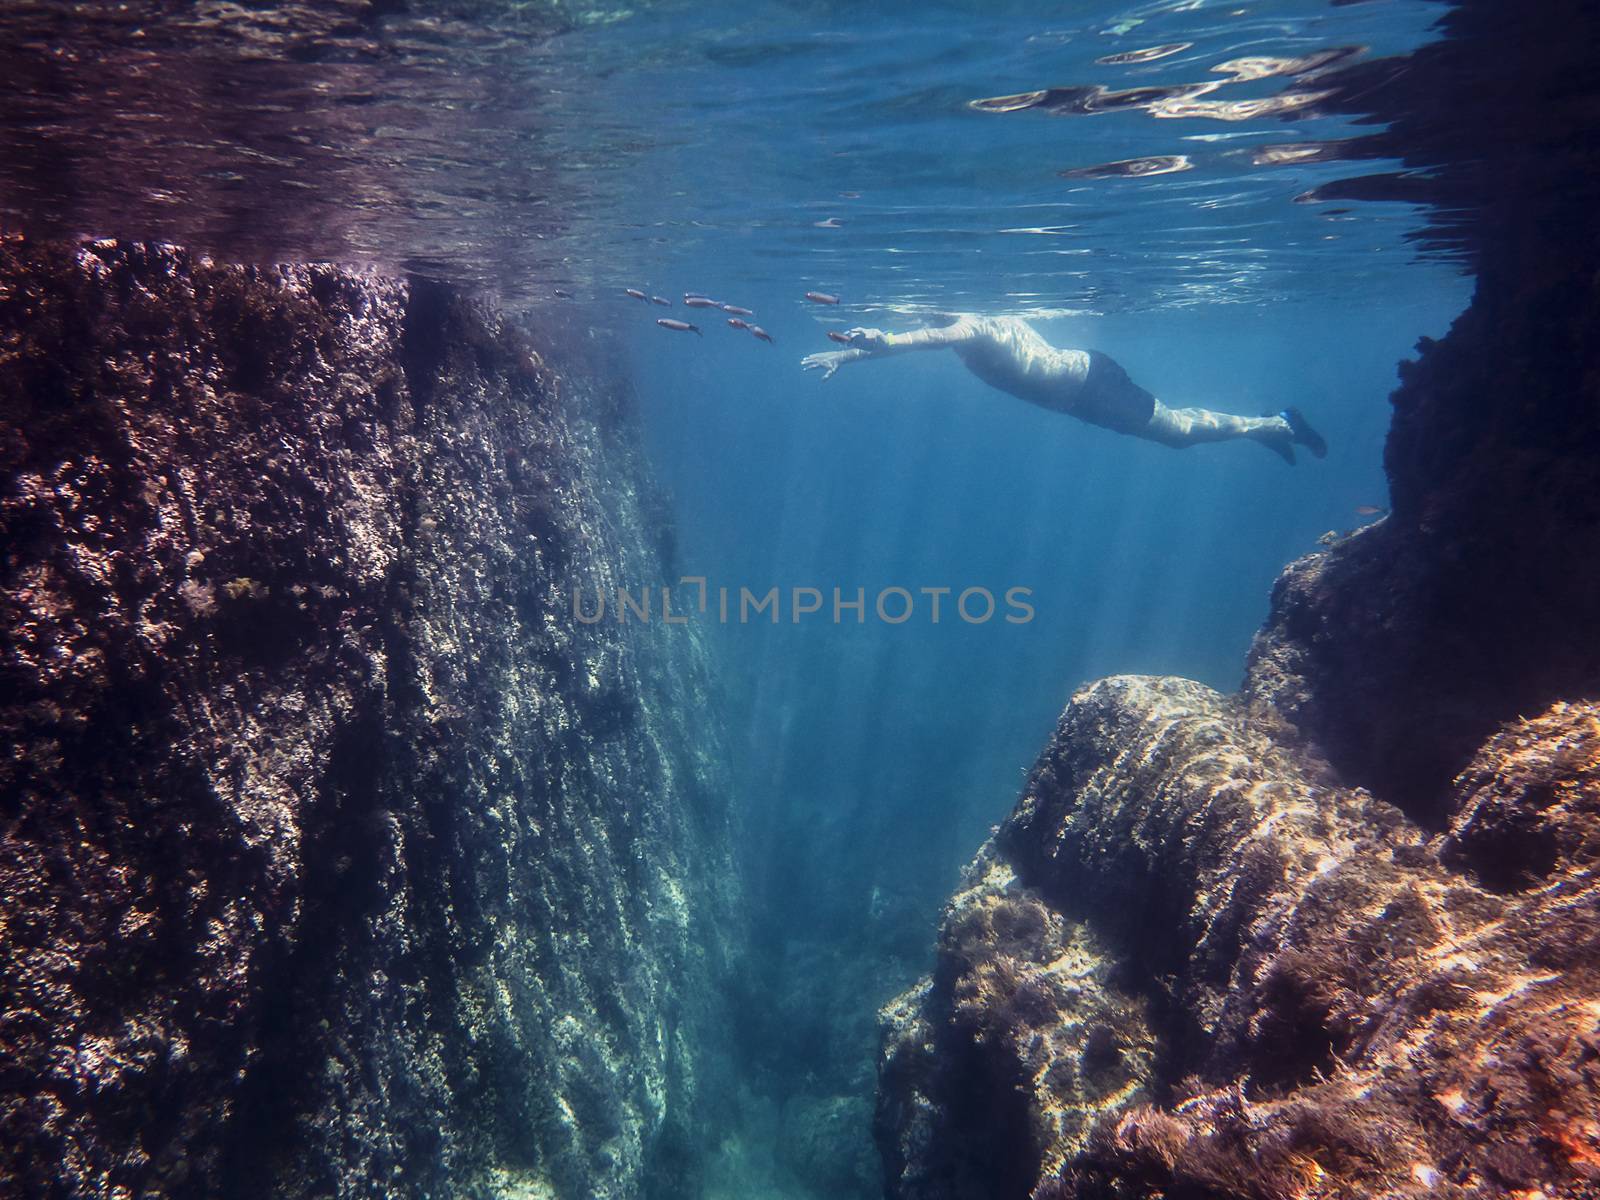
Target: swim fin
[1304, 435]
[1284, 450]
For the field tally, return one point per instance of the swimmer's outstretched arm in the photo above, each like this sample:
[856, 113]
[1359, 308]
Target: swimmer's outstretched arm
[875, 343]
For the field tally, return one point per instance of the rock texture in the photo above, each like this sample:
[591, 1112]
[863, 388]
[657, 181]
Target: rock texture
[1191, 965]
[337, 859]
[1199, 960]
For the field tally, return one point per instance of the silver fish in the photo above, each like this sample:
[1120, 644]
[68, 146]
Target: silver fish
[636, 293]
[737, 311]
[821, 298]
[678, 326]
[761, 333]
[665, 303]
[693, 301]
[738, 323]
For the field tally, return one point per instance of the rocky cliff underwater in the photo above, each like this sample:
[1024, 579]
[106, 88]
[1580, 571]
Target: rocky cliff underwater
[338, 860]
[1337, 935]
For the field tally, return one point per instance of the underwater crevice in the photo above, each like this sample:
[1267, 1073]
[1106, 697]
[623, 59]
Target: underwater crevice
[283, 1079]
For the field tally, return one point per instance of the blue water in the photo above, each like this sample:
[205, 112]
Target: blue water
[873, 758]
[756, 151]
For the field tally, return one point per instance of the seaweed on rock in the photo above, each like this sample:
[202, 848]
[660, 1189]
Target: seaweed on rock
[335, 861]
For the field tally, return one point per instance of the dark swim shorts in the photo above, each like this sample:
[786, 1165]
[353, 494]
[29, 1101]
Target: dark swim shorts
[1110, 399]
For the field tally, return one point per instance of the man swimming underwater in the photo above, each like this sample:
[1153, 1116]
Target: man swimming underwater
[1007, 353]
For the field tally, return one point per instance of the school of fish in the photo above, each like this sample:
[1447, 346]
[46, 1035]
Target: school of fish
[736, 313]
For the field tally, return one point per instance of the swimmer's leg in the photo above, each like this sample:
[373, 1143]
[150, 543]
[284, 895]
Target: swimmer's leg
[1280, 433]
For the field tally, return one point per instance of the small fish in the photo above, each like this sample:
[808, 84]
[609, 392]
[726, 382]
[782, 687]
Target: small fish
[849, 195]
[563, 295]
[738, 323]
[665, 303]
[737, 311]
[830, 223]
[761, 333]
[692, 301]
[678, 326]
[636, 293]
[821, 298]
[1369, 510]
[835, 336]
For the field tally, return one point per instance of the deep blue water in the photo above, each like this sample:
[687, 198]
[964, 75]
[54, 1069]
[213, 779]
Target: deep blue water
[873, 758]
[911, 472]
[755, 151]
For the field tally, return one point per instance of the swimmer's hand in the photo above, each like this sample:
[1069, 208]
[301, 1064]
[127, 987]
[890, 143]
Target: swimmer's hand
[863, 344]
[826, 361]
[870, 340]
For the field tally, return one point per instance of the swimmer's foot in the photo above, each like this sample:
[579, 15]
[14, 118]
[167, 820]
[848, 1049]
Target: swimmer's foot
[1304, 435]
[1275, 433]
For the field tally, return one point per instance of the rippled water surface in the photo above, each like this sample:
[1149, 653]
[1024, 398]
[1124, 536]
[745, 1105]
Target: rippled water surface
[1015, 156]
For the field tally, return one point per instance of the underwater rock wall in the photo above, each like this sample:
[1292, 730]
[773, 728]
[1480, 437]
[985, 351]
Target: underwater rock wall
[1190, 964]
[338, 860]
[1474, 602]
[1338, 935]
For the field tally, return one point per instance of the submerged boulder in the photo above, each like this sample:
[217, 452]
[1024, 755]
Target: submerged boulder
[1337, 935]
[1190, 964]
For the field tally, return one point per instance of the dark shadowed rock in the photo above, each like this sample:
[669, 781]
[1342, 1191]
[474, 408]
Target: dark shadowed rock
[1399, 650]
[337, 859]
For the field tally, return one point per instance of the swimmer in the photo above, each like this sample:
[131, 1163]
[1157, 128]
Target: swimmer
[1008, 354]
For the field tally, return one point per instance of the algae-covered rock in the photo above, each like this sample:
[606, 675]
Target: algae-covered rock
[825, 1142]
[337, 860]
[1285, 991]
[1399, 651]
